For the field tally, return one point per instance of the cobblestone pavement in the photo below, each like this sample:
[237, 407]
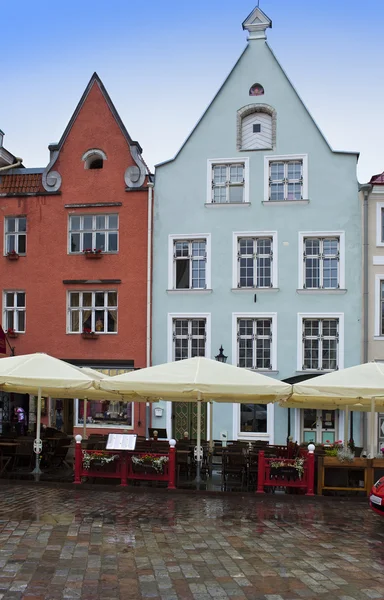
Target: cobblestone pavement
[90, 544]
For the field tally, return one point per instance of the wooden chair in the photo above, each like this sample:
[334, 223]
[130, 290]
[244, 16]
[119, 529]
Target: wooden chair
[56, 458]
[24, 454]
[234, 470]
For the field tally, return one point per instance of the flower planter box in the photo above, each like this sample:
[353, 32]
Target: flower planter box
[93, 255]
[12, 334]
[90, 336]
[333, 461]
[146, 469]
[13, 256]
[285, 473]
[378, 463]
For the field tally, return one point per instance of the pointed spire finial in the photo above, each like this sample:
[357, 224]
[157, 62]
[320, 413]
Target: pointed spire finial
[256, 24]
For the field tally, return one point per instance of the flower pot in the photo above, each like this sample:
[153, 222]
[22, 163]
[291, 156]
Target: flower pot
[93, 255]
[145, 469]
[13, 256]
[90, 336]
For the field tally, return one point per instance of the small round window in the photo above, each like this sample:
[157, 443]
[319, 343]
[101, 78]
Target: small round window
[256, 90]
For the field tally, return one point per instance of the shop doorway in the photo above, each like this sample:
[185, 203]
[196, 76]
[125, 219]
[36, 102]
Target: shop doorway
[319, 426]
[184, 420]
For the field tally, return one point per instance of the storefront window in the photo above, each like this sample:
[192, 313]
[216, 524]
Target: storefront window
[110, 413]
[253, 418]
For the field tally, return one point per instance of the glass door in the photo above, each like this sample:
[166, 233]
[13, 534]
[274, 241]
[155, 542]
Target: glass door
[319, 426]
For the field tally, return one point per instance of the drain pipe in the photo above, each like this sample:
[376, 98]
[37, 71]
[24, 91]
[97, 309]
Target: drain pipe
[18, 163]
[366, 188]
[149, 299]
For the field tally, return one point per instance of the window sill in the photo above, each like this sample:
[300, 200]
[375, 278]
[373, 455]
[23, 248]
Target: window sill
[206, 291]
[284, 202]
[214, 204]
[378, 337]
[105, 426]
[255, 290]
[321, 291]
[319, 371]
[253, 436]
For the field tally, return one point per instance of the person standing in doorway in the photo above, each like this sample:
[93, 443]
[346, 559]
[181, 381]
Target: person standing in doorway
[21, 421]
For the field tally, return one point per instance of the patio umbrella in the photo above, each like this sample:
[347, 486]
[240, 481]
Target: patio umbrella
[360, 387]
[199, 380]
[40, 374]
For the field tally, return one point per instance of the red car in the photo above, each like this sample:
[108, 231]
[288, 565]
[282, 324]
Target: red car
[376, 498]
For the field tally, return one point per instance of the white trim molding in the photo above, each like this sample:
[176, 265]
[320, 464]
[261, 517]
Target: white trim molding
[377, 331]
[235, 271]
[171, 268]
[319, 315]
[244, 435]
[322, 234]
[228, 161]
[255, 315]
[284, 158]
[378, 261]
[379, 208]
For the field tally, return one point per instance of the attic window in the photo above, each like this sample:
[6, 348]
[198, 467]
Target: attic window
[95, 163]
[94, 159]
[256, 90]
[256, 128]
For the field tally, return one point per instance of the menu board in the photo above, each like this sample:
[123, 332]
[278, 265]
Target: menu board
[121, 441]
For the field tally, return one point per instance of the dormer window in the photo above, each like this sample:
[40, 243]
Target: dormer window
[94, 159]
[256, 127]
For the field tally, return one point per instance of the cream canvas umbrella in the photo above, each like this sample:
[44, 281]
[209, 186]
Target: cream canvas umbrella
[40, 374]
[359, 387]
[199, 380]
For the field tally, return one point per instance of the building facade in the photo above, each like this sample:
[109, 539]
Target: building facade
[372, 201]
[74, 272]
[257, 248]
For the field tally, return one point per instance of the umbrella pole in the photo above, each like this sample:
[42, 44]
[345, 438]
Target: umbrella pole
[373, 428]
[198, 442]
[38, 445]
[85, 411]
[346, 413]
[211, 426]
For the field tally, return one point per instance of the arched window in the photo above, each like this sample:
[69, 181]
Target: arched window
[256, 90]
[256, 127]
[94, 159]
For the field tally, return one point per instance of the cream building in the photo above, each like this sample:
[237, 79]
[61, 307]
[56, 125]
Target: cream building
[372, 196]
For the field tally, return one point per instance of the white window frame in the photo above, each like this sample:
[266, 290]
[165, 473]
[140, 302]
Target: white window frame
[321, 234]
[94, 231]
[16, 233]
[284, 158]
[171, 267]
[172, 316]
[377, 329]
[319, 315]
[227, 161]
[93, 309]
[379, 209]
[15, 311]
[235, 263]
[254, 315]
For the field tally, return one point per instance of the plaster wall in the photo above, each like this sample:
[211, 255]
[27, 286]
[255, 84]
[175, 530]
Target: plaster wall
[180, 197]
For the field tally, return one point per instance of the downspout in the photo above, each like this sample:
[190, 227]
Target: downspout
[149, 298]
[366, 189]
[18, 163]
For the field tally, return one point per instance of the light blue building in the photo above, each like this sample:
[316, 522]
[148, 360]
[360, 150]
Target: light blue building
[257, 248]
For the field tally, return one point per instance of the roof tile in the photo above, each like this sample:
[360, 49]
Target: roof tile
[30, 183]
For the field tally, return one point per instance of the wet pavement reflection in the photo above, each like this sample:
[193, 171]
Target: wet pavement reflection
[96, 543]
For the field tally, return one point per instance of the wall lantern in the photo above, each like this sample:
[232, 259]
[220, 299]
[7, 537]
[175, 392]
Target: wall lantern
[221, 356]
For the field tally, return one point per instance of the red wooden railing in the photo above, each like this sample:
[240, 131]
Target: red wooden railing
[267, 477]
[124, 469]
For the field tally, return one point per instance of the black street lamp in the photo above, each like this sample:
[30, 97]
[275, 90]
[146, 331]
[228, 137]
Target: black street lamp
[221, 356]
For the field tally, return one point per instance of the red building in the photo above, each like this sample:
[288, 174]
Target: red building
[76, 258]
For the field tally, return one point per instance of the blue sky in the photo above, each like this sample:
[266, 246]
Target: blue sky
[154, 54]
